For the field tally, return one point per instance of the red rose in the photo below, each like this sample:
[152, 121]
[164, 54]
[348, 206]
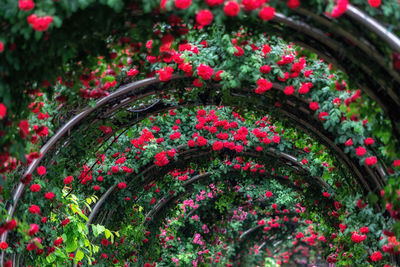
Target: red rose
[40, 24]
[35, 188]
[274, 206]
[276, 139]
[3, 245]
[364, 230]
[377, 255]
[369, 141]
[49, 195]
[360, 151]
[41, 170]
[165, 73]
[182, 4]
[250, 5]
[171, 153]
[326, 194]
[239, 52]
[266, 49]
[58, 241]
[231, 8]
[115, 169]
[34, 228]
[371, 161]
[204, 17]
[268, 194]
[396, 163]
[322, 115]
[214, 2]
[263, 85]
[201, 141]
[132, 72]
[68, 180]
[205, 71]
[23, 128]
[293, 3]
[349, 142]
[3, 108]
[65, 222]
[218, 145]
[152, 201]
[265, 69]
[314, 106]
[289, 90]
[96, 188]
[304, 161]
[11, 225]
[121, 185]
[267, 13]
[375, 4]
[26, 5]
[340, 8]
[34, 209]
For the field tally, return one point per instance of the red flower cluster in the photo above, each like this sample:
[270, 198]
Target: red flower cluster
[161, 159]
[263, 85]
[40, 24]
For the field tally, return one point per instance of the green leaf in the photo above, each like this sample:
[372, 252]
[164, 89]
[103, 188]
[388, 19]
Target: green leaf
[71, 246]
[107, 233]
[79, 255]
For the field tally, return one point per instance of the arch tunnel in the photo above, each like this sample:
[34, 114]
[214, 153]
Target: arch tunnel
[213, 133]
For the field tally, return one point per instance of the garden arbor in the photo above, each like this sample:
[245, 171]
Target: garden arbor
[204, 131]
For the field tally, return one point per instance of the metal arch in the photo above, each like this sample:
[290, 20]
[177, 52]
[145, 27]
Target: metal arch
[391, 39]
[194, 153]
